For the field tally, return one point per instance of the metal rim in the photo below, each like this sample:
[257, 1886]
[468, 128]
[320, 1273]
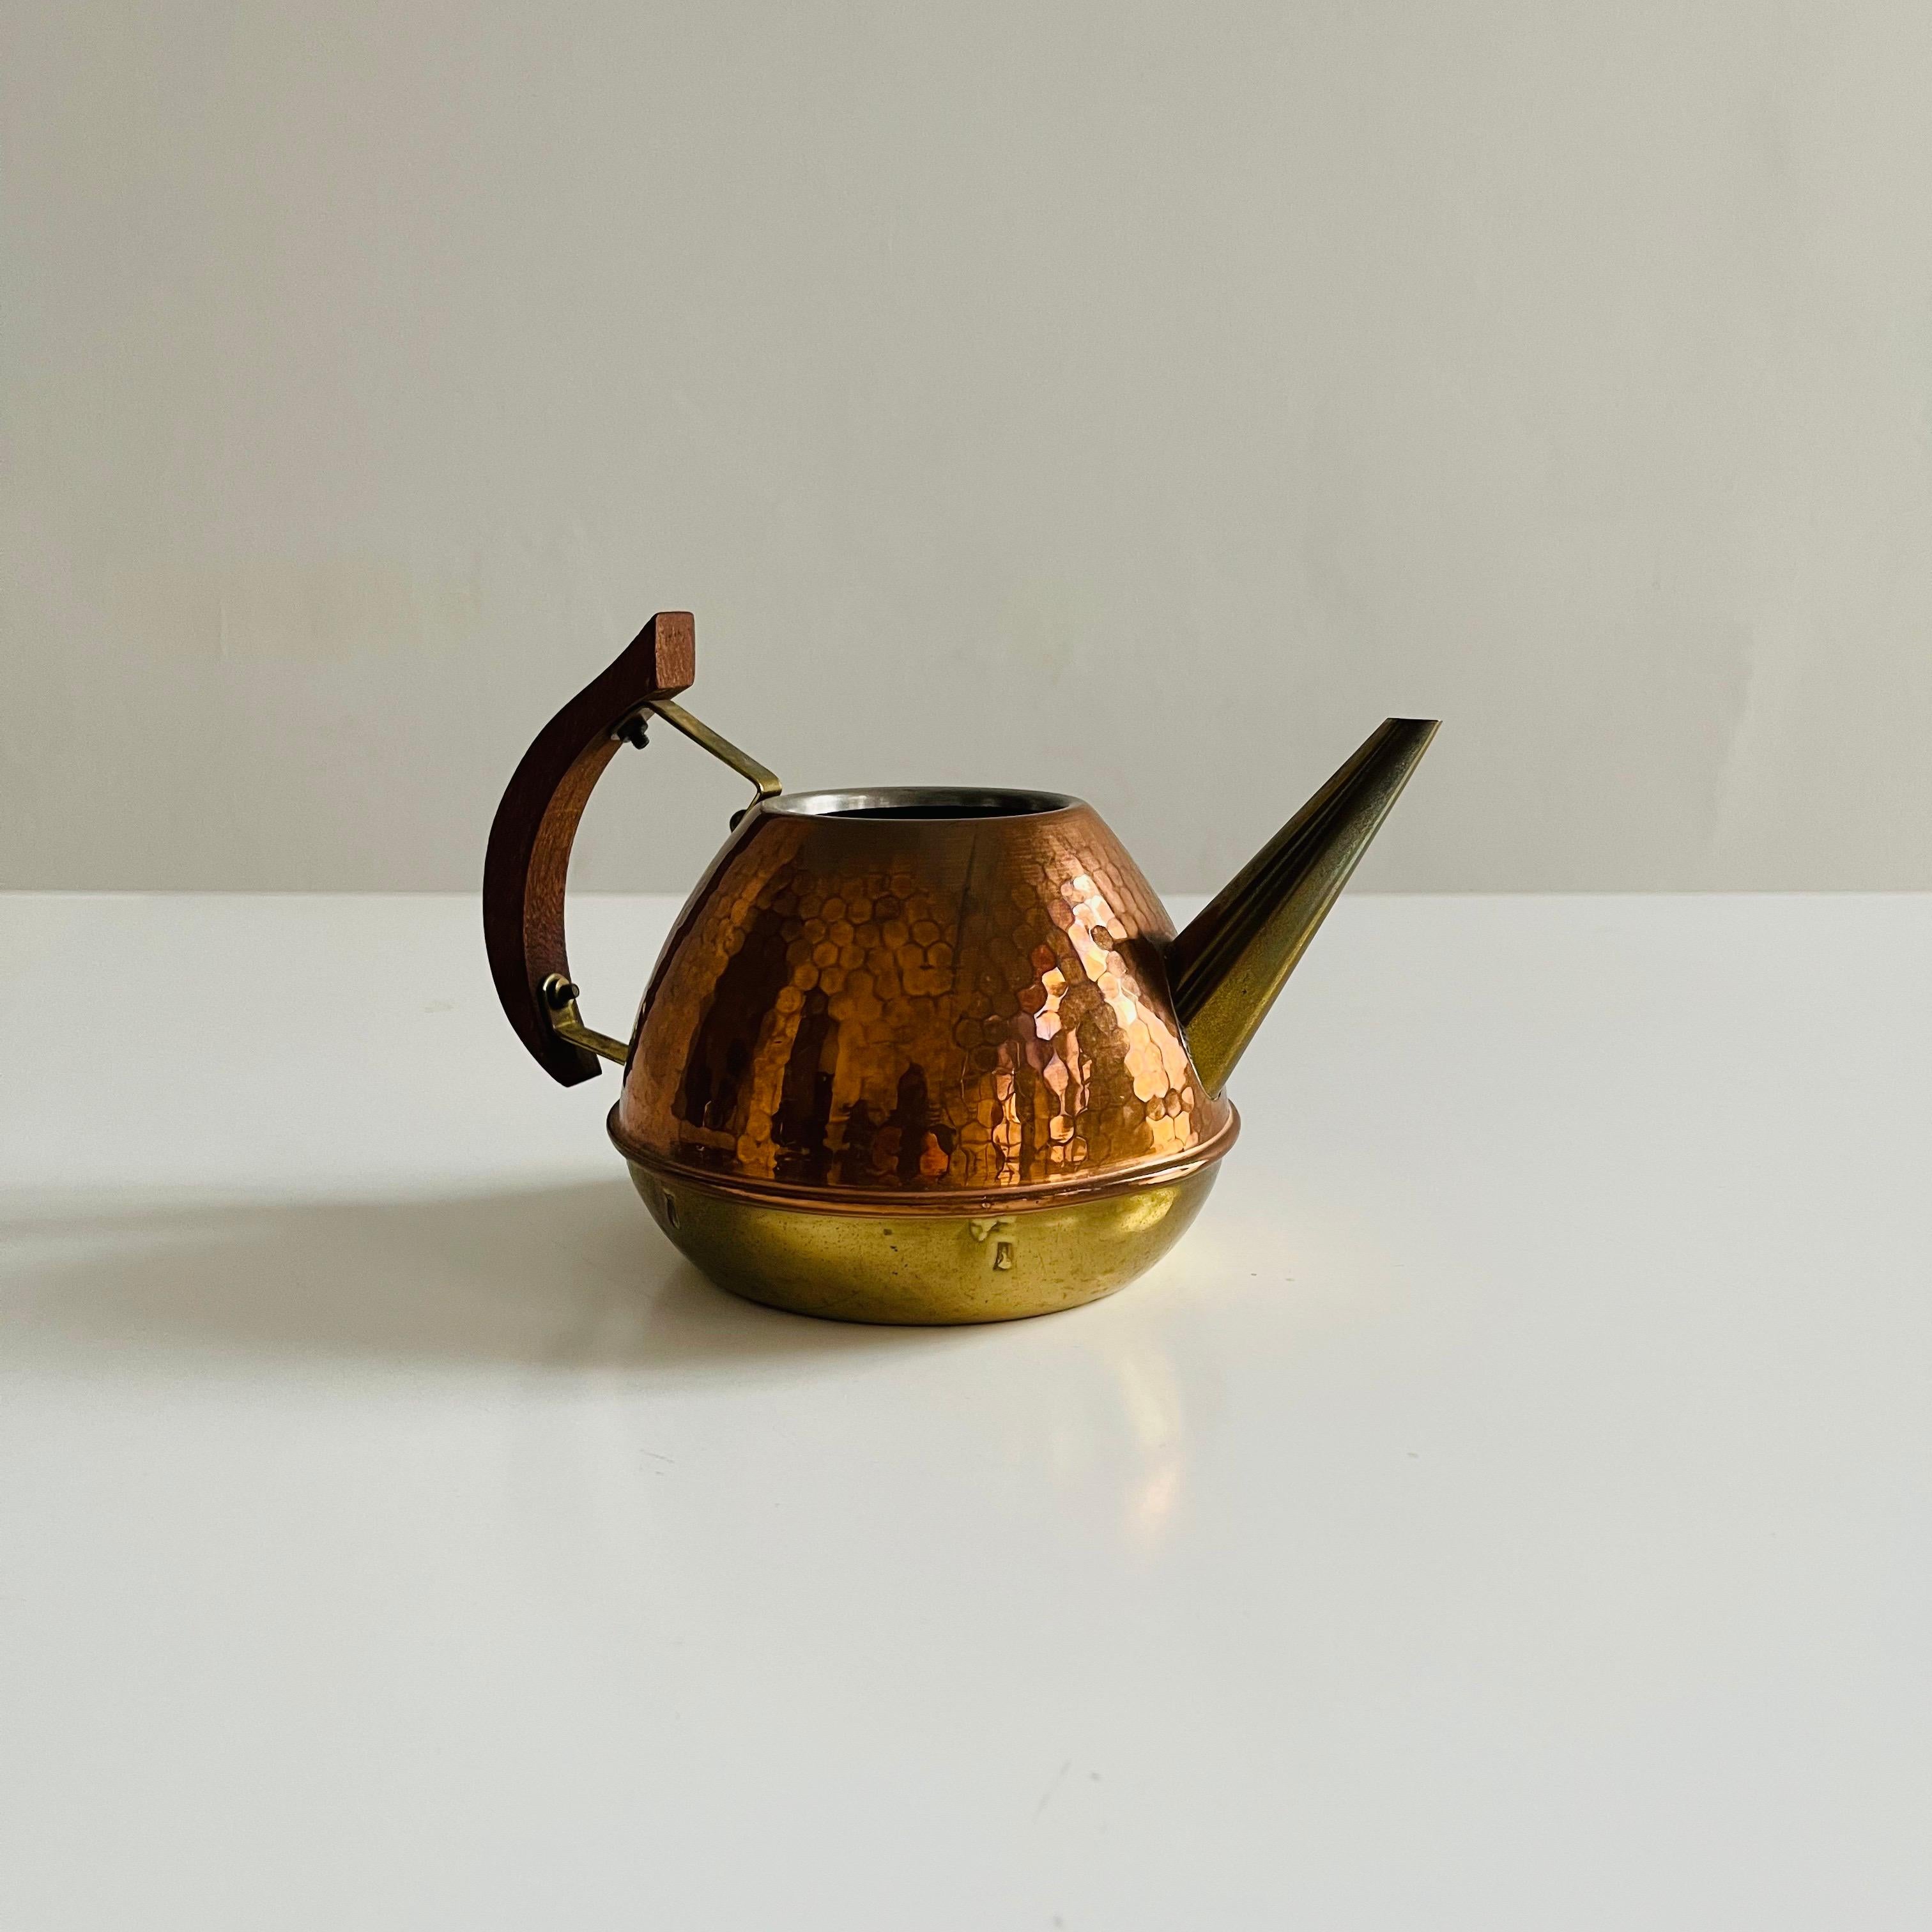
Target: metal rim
[974, 1206]
[877, 802]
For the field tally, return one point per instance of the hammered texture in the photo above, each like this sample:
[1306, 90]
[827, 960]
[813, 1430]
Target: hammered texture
[870, 1005]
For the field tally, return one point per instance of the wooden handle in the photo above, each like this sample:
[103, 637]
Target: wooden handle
[528, 857]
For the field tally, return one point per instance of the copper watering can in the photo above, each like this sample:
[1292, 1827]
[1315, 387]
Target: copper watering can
[918, 1054]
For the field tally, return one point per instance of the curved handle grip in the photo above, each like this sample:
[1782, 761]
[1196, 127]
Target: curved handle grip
[528, 855]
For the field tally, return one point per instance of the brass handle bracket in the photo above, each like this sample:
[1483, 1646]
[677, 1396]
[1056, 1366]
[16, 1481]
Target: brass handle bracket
[560, 996]
[634, 730]
[559, 990]
[560, 993]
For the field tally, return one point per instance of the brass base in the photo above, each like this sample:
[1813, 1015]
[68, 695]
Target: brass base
[923, 1269]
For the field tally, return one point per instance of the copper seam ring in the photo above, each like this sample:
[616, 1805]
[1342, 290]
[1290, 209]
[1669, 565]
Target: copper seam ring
[976, 1206]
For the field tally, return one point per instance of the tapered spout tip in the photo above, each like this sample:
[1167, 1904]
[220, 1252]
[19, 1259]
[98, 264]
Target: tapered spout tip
[1232, 960]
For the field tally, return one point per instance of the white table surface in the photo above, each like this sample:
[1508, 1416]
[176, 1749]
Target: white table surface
[1509, 1507]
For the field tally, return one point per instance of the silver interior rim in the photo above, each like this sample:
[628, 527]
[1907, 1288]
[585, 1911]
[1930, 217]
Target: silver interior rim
[920, 802]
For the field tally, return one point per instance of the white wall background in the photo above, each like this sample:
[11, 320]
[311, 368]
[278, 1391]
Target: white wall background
[1141, 400]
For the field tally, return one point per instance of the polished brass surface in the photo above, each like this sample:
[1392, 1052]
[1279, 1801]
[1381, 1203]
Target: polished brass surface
[923, 1269]
[561, 994]
[918, 992]
[1232, 960]
[766, 781]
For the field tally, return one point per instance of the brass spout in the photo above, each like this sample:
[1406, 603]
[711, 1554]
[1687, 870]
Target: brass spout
[1228, 965]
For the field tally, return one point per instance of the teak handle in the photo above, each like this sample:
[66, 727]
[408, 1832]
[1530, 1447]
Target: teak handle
[528, 855]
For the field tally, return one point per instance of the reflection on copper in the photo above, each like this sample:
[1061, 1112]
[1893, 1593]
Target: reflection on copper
[860, 1005]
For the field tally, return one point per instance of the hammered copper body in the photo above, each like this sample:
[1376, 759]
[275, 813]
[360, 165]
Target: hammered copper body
[915, 1054]
[968, 1005]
